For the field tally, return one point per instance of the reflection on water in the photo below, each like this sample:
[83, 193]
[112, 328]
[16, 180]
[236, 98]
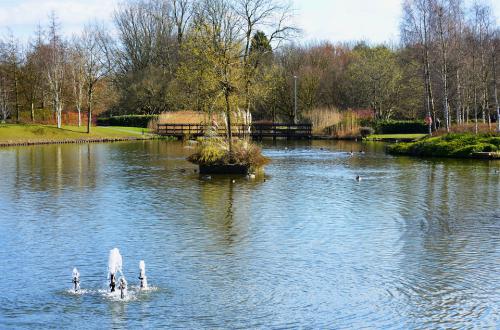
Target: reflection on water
[415, 244]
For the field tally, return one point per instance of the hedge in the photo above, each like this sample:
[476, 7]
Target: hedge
[401, 127]
[127, 121]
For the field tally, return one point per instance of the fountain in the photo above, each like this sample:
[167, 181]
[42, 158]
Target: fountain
[114, 266]
[142, 275]
[76, 279]
[123, 287]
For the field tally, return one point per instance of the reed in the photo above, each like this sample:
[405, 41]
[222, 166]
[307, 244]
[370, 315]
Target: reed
[333, 122]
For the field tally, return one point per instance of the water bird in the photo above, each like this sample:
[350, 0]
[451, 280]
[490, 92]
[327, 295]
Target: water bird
[206, 177]
[358, 178]
[351, 154]
[251, 176]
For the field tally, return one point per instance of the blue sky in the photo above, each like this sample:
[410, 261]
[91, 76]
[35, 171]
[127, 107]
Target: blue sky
[334, 20]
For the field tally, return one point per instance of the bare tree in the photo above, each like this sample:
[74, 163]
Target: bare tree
[444, 30]
[271, 16]
[495, 49]
[56, 68]
[416, 31]
[13, 61]
[76, 63]
[4, 95]
[95, 53]
[182, 12]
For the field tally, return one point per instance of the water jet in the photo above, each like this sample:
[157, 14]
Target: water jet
[76, 279]
[114, 266]
[142, 275]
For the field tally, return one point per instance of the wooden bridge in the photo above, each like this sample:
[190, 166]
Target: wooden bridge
[256, 131]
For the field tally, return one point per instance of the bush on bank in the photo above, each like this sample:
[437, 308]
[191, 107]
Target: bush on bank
[450, 145]
[400, 127]
[127, 121]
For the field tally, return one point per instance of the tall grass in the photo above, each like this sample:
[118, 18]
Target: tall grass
[333, 122]
[200, 118]
[469, 128]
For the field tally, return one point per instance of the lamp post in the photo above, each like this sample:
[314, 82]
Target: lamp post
[295, 100]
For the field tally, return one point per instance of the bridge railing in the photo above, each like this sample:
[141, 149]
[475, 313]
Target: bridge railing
[258, 131]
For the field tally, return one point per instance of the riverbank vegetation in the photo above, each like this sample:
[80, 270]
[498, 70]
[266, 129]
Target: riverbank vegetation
[18, 134]
[395, 137]
[217, 57]
[215, 151]
[450, 145]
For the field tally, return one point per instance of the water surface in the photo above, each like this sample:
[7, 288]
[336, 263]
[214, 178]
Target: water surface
[415, 244]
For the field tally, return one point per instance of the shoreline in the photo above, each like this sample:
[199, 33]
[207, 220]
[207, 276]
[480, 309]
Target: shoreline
[6, 144]
[453, 145]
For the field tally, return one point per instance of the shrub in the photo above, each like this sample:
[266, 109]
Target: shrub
[401, 127]
[450, 145]
[127, 121]
[365, 131]
[215, 151]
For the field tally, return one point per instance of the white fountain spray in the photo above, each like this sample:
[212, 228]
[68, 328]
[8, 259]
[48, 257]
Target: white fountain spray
[76, 279]
[142, 275]
[122, 285]
[114, 266]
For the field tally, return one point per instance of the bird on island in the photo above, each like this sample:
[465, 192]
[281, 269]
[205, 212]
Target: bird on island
[358, 178]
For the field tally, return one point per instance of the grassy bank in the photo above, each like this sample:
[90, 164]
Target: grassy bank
[13, 134]
[395, 137]
[451, 145]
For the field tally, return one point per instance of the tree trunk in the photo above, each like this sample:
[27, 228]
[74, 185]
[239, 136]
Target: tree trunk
[89, 110]
[79, 109]
[495, 89]
[459, 100]
[229, 130]
[32, 111]
[16, 94]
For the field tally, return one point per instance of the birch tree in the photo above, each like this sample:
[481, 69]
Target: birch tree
[416, 31]
[56, 68]
[76, 63]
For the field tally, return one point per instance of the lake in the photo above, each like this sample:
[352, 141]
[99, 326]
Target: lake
[414, 244]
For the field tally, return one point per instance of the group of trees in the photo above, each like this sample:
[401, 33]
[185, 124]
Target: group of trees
[240, 56]
[52, 72]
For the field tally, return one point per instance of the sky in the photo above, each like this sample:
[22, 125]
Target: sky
[374, 21]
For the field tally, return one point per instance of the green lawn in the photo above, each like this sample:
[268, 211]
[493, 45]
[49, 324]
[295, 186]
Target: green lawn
[392, 137]
[450, 145]
[14, 133]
